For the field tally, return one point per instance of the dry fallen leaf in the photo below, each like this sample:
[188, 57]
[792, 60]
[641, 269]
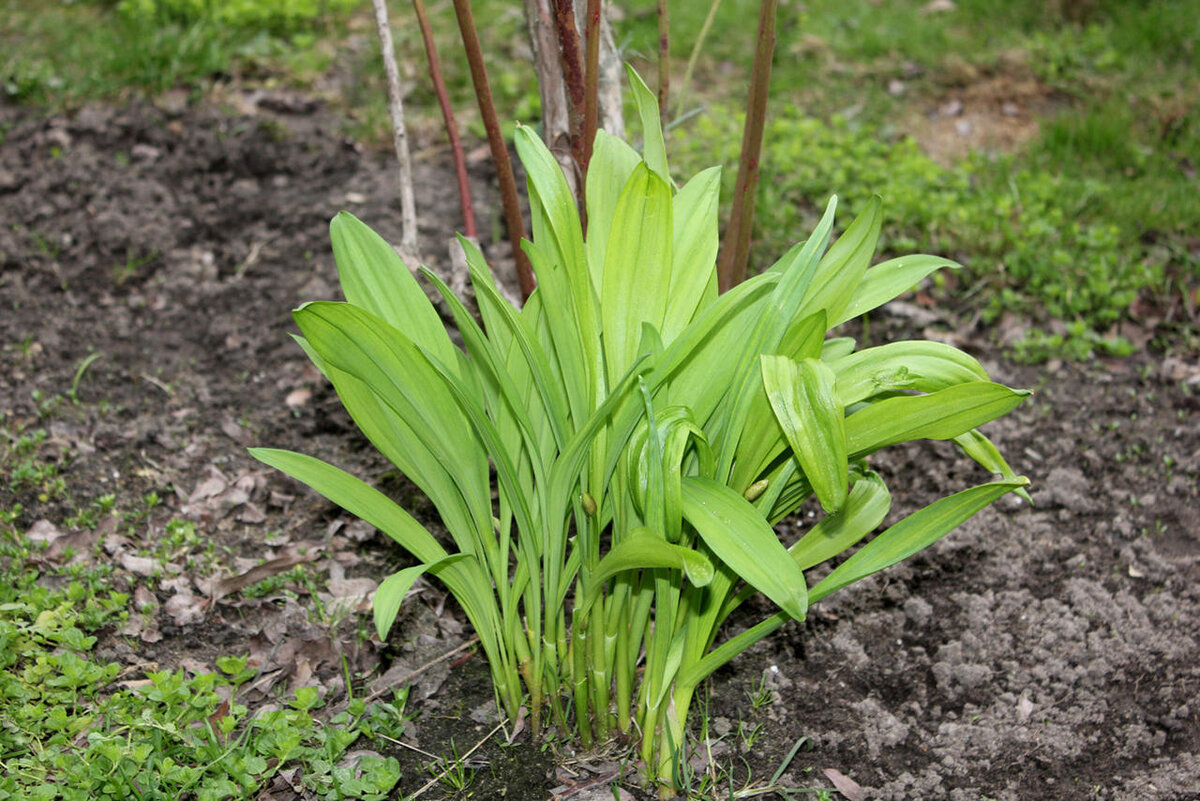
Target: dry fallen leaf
[845, 785]
[185, 608]
[938, 7]
[141, 565]
[298, 397]
[290, 558]
[43, 531]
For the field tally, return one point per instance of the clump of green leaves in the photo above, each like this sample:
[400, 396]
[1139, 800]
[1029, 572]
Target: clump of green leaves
[645, 435]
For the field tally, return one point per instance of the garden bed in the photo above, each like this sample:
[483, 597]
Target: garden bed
[1047, 652]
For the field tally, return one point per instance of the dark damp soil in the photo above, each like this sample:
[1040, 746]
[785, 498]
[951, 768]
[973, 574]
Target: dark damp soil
[1048, 652]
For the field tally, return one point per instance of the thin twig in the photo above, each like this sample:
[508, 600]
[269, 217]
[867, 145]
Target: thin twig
[664, 62]
[408, 208]
[419, 670]
[456, 148]
[403, 744]
[695, 55]
[462, 758]
[735, 250]
[504, 170]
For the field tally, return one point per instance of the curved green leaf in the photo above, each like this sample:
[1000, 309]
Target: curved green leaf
[864, 509]
[645, 549]
[898, 366]
[390, 594]
[806, 405]
[637, 268]
[940, 415]
[356, 497]
[840, 272]
[694, 250]
[739, 536]
[654, 149]
[375, 278]
[611, 165]
[890, 279]
[914, 533]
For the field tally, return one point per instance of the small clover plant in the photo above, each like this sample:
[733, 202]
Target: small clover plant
[641, 433]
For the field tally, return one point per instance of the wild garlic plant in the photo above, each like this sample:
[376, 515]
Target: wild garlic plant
[609, 460]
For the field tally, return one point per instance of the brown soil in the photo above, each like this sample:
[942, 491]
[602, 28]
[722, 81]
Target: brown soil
[1050, 652]
[974, 111]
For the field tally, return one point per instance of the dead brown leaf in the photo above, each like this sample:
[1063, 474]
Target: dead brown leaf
[845, 785]
[291, 557]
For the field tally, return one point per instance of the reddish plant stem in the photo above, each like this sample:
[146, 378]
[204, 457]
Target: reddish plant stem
[664, 62]
[491, 123]
[591, 89]
[572, 68]
[735, 250]
[456, 148]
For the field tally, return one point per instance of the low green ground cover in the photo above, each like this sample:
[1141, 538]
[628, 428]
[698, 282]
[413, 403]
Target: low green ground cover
[1099, 209]
[77, 725]
[1054, 245]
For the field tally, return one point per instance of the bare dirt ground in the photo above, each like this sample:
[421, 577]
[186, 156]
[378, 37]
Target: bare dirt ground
[1048, 652]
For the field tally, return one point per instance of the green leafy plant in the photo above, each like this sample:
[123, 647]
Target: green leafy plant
[645, 434]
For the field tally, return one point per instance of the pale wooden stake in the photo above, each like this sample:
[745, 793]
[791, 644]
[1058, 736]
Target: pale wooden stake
[408, 208]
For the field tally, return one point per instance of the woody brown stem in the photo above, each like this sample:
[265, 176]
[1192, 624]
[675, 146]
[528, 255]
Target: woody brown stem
[572, 69]
[491, 123]
[456, 148]
[735, 250]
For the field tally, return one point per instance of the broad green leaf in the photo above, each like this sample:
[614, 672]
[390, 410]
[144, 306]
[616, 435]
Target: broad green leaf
[739, 536]
[864, 509]
[356, 497]
[761, 440]
[353, 341]
[654, 149]
[910, 365]
[888, 280]
[696, 367]
[374, 278]
[465, 579]
[801, 265]
[500, 316]
[914, 533]
[805, 403]
[645, 549]
[841, 270]
[611, 165]
[548, 188]
[637, 268]
[694, 250]
[492, 363]
[390, 594]
[837, 348]
[560, 263]
[940, 415]
[399, 443]
[742, 405]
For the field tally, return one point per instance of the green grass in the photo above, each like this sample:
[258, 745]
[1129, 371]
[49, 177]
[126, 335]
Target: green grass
[59, 54]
